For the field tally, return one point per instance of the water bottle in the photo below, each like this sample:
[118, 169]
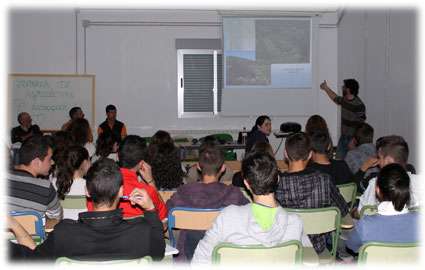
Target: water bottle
[244, 135]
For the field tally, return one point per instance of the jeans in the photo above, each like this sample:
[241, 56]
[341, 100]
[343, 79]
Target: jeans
[342, 147]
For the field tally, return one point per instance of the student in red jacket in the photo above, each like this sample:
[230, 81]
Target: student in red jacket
[131, 158]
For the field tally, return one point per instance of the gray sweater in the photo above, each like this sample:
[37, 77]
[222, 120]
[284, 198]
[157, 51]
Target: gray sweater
[237, 224]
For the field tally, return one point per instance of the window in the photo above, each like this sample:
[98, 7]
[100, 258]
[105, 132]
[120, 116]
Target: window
[199, 83]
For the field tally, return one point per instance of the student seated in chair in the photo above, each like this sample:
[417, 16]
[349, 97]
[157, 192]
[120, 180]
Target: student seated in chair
[393, 222]
[208, 194]
[338, 170]
[262, 222]
[305, 188]
[103, 235]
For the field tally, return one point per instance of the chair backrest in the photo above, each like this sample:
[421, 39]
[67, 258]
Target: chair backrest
[387, 252]
[31, 221]
[74, 202]
[67, 261]
[321, 220]
[348, 192]
[288, 252]
[190, 219]
[166, 193]
[368, 210]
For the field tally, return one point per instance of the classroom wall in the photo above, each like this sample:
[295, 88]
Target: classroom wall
[386, 40]
[136, 66]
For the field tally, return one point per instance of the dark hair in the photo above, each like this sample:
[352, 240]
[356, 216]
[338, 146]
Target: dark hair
[20, 115]
[159, 137]
[262, 147]
[68, 163]
[363, 133]
[105, 143]
[79, 129]
[208, 141]
[110, 107]
[261, 172]
[62, 141]
[259, 122]
[211, 159]
[73, 111]
[353, 85]
[395, 147]
[298, 146]
[103, 181]
[36, 146]
[166, 167]
[319, 141]
[131, 151]
[393, 182]
[316, 122]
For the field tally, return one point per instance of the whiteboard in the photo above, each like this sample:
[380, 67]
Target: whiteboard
[48, 98]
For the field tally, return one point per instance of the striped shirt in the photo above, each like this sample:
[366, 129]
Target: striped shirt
[353, 112]
[310, 189]
[27, 193]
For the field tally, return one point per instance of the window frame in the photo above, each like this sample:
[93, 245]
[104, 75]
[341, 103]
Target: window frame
[180, 84]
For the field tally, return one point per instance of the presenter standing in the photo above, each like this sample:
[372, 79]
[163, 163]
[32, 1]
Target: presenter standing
[259, 132]
[353, 112]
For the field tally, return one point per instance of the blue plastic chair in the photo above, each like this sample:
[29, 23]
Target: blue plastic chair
[33, 223]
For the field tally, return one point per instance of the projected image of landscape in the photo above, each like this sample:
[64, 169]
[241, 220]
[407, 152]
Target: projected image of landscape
[267, 53]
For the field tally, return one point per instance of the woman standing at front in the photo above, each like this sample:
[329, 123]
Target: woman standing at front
[259, 132]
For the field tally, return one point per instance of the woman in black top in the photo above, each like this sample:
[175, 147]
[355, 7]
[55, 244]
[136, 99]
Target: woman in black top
[259, 132]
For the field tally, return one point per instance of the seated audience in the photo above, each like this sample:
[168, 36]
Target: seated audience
[106, 146]
[74, 113]
[158, 138]
[259, 132]
[318, 122]
[26, 191]
[131, 158]
[70, 170]
[210, 193]
[393, 222]
[195, 175]
[391, 149]
[263, 147]
[337, 169]
[262, 222]
[79, 129]
[103, 234]
[362, 158]
[25, 129]
[303, 188]
[166, 167]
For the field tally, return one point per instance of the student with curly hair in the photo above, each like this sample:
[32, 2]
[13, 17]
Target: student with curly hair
[166, 167]
[106, 146]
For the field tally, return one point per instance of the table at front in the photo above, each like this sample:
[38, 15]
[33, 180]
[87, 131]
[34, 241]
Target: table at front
[197, 146]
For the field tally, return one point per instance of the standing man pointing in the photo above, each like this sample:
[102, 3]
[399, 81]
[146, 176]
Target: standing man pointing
[353, 112]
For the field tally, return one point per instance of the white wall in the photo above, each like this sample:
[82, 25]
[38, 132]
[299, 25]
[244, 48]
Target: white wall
[386, 41]
[136, 66]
